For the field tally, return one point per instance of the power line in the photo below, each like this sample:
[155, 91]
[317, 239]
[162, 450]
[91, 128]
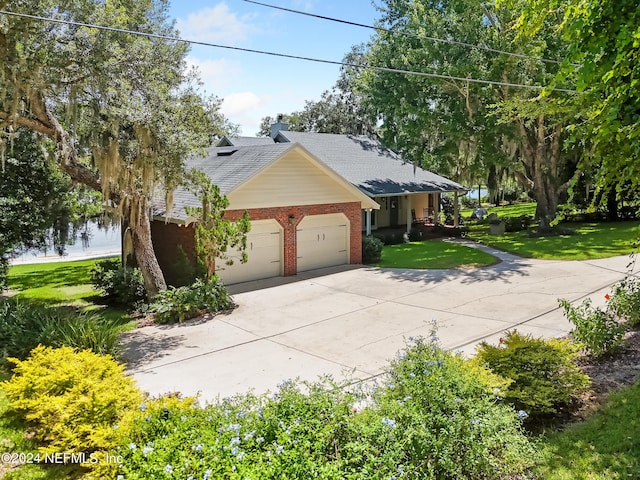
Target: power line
[284, 55]
[409, 34]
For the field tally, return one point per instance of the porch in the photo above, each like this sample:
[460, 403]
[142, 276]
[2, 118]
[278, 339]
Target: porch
[419, 231]
[402, 212]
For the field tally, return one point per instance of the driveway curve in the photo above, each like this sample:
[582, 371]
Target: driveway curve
[351, 321]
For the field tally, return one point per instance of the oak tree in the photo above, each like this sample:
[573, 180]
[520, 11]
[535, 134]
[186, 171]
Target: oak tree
[122, 110]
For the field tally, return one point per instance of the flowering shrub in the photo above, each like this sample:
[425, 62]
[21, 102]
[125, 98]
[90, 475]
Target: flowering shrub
[625, 301]
[596, 329]
[448, 417]
[544, 377]
[438, 417]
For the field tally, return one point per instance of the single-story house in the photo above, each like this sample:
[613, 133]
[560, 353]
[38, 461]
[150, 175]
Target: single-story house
[310, 197]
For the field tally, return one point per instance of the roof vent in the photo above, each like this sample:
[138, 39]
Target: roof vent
[226, 152]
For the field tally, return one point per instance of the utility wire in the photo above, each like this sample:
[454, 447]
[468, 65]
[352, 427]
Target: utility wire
[409, 34]
[284, 55]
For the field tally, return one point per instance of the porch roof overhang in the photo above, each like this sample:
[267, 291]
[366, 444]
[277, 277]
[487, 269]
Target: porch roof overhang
[388, 187]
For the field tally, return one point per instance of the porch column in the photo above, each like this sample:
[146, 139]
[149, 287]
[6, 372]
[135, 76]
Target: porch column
[456, 209]
[368, 221]
[409, 219]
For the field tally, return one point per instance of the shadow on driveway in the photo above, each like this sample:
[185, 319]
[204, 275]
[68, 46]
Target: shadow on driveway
[141, 348]
[505, 271]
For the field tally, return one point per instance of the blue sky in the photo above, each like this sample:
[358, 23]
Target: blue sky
[254, 86]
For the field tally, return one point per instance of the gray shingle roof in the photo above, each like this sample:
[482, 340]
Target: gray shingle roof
[226, 171]
[368, 165]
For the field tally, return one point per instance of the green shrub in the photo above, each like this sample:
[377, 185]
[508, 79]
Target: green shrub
[120, 285]
[4, 269]
[179, 304]
[625, 301]
[25, 325]
[468, 202]
[516, 224]
[544, 377]
[71, 401]
[20, 327]
[596, 329]
[371, 249]
[440, 419]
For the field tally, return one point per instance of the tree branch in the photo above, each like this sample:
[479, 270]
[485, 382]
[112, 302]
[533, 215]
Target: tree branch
[524, 180]
[27, 122]
[68, 158]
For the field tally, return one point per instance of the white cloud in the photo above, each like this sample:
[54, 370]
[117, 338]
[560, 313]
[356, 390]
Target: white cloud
[305, 5]
[215, 74]
[215, 24]
[237, 103]
[246, 109]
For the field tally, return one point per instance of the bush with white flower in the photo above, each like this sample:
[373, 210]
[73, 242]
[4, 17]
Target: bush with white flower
[435, 416]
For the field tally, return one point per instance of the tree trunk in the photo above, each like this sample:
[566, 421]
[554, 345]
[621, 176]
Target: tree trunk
[541, 156]
[141, 233]
[146, 257]
[612, 205]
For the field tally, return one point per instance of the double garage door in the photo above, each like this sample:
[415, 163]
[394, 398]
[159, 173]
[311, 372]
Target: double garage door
[322, 241]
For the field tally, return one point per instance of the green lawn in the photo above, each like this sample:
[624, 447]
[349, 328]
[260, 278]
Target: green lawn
[60, 284]
[604, 447]
[433, 254]
[506, 210]
[588, 241]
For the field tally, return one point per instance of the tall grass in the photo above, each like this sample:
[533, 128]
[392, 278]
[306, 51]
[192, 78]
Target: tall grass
[24, 325]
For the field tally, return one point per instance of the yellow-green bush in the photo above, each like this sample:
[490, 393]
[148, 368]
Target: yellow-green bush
[545, 379]
[72, 401]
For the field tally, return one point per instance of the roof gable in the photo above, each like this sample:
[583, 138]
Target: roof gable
[296, 178]
[368, 165]
[232, 167]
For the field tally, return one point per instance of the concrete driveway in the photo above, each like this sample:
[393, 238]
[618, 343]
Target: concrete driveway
[353, 320]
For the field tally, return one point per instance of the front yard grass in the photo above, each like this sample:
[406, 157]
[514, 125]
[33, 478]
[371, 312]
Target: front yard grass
[515, 210]
[61, 284]
[605, 446]
[587, 241]
[433, 254]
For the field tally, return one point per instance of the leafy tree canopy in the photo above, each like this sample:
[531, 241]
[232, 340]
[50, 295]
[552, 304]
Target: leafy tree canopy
[460, 128]
[121, 109]
[603, 52]
[38, 203]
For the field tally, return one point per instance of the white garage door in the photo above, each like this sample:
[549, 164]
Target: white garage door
[264, 249]
[323, 241]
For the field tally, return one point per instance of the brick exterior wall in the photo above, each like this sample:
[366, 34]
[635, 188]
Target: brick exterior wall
[167, 236]
[290, 217]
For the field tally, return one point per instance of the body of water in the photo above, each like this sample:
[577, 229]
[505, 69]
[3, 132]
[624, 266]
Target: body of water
[101, 243]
